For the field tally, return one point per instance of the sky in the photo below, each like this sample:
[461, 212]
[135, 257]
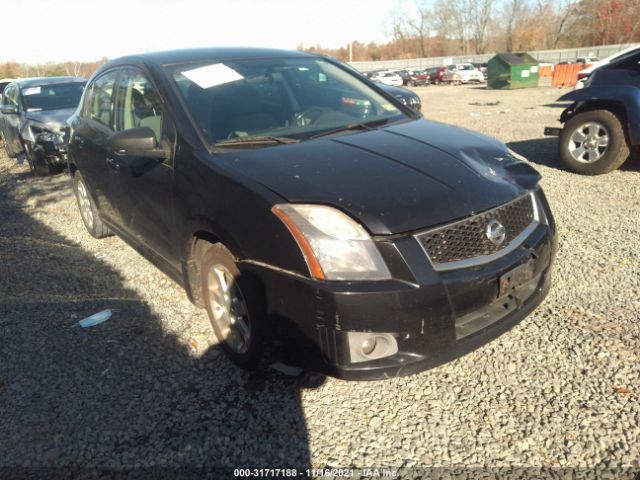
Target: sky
[87, 30]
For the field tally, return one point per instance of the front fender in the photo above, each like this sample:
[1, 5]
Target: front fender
[627, 96]
[25, 132]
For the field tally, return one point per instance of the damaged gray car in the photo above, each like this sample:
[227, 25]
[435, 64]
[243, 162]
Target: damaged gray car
[34, 111]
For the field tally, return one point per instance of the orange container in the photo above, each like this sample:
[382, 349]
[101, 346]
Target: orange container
[566, 75]
[545, 72]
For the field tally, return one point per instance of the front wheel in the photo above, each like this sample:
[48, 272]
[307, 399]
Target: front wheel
[88, 210]
[235, 306]
[593, 143]
[11, 153]
[37, 169]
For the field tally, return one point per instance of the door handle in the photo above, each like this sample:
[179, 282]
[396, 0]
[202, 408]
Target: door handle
[113, 163]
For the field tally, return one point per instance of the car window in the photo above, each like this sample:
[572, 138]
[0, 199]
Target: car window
[137, 103]
[11, 96]
[99, 98]
[630, 62]
[52, 97]
[286, 97]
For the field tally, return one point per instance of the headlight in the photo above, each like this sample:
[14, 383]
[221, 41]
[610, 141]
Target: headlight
[335, 246]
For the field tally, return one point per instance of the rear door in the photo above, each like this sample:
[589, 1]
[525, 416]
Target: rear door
[88, 145]
[144, 201]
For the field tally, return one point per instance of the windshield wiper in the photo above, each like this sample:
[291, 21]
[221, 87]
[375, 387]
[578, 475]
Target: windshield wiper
[352, 126]
[261, 140]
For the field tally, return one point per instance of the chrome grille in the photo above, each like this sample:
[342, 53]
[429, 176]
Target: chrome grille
[466, 240]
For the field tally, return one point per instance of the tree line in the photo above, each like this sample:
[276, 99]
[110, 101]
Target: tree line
[72, 69]
[465, 27]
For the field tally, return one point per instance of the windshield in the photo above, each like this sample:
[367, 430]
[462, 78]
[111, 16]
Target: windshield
[52, 97]
[466, 67]
[293, 98]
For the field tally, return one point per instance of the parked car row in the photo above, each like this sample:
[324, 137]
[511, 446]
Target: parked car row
[453, 74]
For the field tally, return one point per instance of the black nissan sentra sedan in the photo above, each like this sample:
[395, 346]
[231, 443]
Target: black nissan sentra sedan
[313, 215]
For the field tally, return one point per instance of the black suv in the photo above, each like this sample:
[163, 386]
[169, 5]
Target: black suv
[602, 124]
[34, 111]
[312, 214]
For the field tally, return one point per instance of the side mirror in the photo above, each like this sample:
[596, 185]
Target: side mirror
[9, 109]
[136, 142]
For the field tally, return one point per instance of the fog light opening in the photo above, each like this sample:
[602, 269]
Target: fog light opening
[365, 346]
[369, 345]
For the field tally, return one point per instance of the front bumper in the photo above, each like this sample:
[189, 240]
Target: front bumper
[49, 148]
[434, 316]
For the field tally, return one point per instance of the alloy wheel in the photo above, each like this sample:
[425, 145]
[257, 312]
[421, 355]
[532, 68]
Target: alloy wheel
[229, 308]
[85, 204]
[588, 143]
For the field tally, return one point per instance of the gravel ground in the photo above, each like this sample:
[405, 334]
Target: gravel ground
[150, 388]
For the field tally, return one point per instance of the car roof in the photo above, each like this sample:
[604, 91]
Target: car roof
[41, 81]
[193, 55]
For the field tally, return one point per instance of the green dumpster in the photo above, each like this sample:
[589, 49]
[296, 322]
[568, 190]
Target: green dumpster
[512, 70]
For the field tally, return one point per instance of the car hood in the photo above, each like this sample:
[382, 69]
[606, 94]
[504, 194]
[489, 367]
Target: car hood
[53, 119]
[396, 179]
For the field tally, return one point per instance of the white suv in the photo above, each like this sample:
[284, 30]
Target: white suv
[462, 73]
[388, 78]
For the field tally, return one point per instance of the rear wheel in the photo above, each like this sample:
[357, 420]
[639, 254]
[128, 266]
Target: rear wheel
[235, 307]
[88, 211]
[593, 143]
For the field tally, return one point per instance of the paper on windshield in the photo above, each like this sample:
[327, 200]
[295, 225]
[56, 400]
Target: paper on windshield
[212, 75]
[31, 91]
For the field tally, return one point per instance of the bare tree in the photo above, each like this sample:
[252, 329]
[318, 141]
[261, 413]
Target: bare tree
[398, 29]
[480, 12]
[73, 69]
[420, 25]
[564, 21]
[514, 12]
[633, 9]
[453, 22]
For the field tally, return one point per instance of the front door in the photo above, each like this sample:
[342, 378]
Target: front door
[88, 144]
[11, 122]
[144, 186]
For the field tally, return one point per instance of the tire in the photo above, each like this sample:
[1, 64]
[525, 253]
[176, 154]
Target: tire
[246, 346]
[9, 150]
[604, 145]
[94, 225]
[412, 83]
[37, 169]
